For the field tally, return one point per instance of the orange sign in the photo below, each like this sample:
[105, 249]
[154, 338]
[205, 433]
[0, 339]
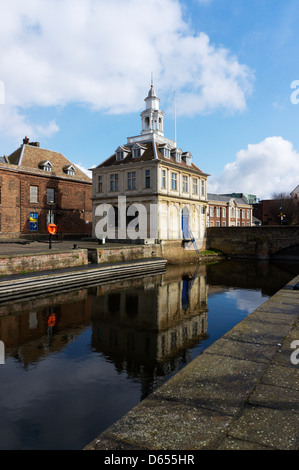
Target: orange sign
[51, 320]
[52, 229]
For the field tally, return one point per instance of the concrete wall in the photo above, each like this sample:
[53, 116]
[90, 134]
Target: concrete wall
[173, 251]
[22, 264]
[125, 253]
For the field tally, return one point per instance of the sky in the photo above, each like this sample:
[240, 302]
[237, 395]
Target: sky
[74, 75]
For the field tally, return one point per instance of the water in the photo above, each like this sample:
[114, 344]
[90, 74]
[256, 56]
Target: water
[78, 361]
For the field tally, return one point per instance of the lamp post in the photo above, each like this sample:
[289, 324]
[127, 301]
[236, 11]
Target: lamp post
[51, 204]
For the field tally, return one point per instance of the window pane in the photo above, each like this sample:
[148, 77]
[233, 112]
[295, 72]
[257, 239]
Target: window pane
[33, 193]
[50, 195]
[147, 178]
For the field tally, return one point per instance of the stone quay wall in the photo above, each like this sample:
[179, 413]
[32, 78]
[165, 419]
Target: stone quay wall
[22, 264]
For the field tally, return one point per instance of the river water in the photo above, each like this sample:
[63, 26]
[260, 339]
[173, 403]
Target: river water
[76, 362]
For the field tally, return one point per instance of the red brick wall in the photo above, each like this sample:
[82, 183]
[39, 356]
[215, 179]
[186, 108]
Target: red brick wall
[242, 220]
[72, 208]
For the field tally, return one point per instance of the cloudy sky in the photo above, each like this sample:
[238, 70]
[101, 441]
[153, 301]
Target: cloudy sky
[74, 75]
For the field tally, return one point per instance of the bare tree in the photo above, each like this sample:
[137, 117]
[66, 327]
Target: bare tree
[285, 207]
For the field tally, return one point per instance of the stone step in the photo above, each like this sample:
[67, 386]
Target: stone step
[41, 284]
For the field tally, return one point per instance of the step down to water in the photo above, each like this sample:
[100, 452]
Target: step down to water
[25, 286]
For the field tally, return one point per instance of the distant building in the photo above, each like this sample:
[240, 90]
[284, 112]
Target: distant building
[248, 198]
[151, 169]
[228, 211]
[283, 211]
[295, 196]
[36, 183]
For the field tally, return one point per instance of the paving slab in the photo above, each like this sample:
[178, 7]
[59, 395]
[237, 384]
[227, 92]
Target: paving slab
[282, 376]
[259, 333]
[268, 427]
[249, 352]
[271, 396]
[159, 425]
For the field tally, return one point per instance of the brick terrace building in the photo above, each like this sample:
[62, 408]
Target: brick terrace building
[35, 184]
[227, 211]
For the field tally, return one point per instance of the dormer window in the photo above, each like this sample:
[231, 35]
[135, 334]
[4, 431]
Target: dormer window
[138, 150]
[177, 155]
[45, 165]
[121, 153]
[165, 150]
[69, 170]
[188, 158]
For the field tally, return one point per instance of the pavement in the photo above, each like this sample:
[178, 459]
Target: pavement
[21, 246]
[241, 393]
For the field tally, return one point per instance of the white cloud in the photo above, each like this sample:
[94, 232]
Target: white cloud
[101, 54]
[85, 170]
[262, 169]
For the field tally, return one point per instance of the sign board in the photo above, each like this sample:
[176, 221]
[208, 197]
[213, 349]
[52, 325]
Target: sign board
[33, 219]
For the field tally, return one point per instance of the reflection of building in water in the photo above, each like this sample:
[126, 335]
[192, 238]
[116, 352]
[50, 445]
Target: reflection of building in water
[151, 325]
[145, 327]
[25, 327]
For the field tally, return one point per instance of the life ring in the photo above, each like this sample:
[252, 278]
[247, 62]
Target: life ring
[52, 229]
[51, 320]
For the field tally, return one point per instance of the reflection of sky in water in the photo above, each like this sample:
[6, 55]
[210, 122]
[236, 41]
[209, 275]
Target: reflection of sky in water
[246, 300]
[227, 308]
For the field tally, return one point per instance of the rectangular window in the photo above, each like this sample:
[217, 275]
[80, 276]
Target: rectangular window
[248, 215]
[211, 211]
[174, 181]
[223, 212]
[185, 184]
[131, 180]
[100, 184]
[202, 187]
[33, 193]
[119, 155]
[50, 195]
[137, 153]
[114, 182]
[163, 182]
[194, 185]
[218, 212]
[147, 178]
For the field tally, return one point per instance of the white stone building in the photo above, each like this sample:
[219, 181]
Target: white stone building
[152, 171]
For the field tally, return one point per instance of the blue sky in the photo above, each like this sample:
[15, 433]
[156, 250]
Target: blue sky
[74, 75]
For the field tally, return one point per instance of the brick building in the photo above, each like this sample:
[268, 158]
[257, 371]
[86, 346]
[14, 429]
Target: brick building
[227, 211]
[37, 185]
[283, 211]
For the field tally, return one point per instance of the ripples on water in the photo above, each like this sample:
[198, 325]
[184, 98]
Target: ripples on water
[78, 361]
